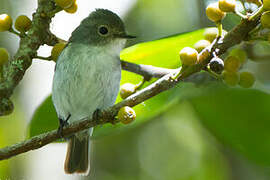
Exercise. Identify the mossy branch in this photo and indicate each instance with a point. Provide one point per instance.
(38, 35)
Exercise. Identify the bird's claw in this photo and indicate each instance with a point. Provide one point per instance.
(96, 115)
(62, 124)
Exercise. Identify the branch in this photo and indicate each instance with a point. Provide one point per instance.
(147, 71)
(235, 36)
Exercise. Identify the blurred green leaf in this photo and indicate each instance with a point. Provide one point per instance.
(163, 53)
(172, 146)
(44, 119)
(12, 131)
(238, 117)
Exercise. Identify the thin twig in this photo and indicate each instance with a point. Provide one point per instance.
(49, 58)
(147, 71)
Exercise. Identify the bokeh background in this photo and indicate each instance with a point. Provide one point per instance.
(208, 132)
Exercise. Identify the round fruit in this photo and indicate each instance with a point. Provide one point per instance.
(230, 78)
(214, 13)
(227, 5)
(265, 19)
(56, 50)
(72, 9)
(126, 115)
(247, 79)
(64, 3)
(216, 64)
(200, 45)
(5, 22)
(3, 56)
(232, 64)
(23, 23)
(240, 54)
(211, 33)
(188, 56)
(127, 89)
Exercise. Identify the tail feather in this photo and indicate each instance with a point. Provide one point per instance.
(77, 158)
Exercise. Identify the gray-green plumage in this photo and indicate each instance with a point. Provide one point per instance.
(87, 77)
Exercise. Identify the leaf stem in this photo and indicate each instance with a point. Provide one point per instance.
(15, 32)
(219, 26)
(240, 14)
(256, 13)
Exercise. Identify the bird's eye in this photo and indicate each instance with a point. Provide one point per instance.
(103, 30)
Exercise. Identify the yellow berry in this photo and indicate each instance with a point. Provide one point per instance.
(214, 13)
(127, 89)
(64, 3)
(126, 115)
(247, 79)
(265, 19)
(266, 4)
(240, 54)
(230, 78)
(5, 22)
(188, 56)
(23, 23)
(56, 50)
(211, 33)
(72, 9)
(232, 64)
(200, 45)
(227, 5)
(3, 56)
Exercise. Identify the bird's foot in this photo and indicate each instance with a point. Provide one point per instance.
(96, 115)
(62, 124)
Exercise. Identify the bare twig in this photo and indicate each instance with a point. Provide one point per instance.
(147, 71)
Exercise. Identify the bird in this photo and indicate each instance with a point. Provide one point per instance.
(87, 79)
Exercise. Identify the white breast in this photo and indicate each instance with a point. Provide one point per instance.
(86, 78)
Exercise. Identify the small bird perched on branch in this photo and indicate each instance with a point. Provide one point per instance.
(87, 78)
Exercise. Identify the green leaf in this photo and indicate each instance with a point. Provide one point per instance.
(239, 118)
(163, 53)
(44, 119)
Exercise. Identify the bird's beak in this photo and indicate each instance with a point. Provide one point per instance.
(125, 36)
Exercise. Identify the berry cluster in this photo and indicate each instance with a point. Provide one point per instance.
(126, 114)
(22, 24)
(227, 69)
(232, 64)
(237, 57)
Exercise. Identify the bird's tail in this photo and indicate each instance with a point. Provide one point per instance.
(78, 155)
